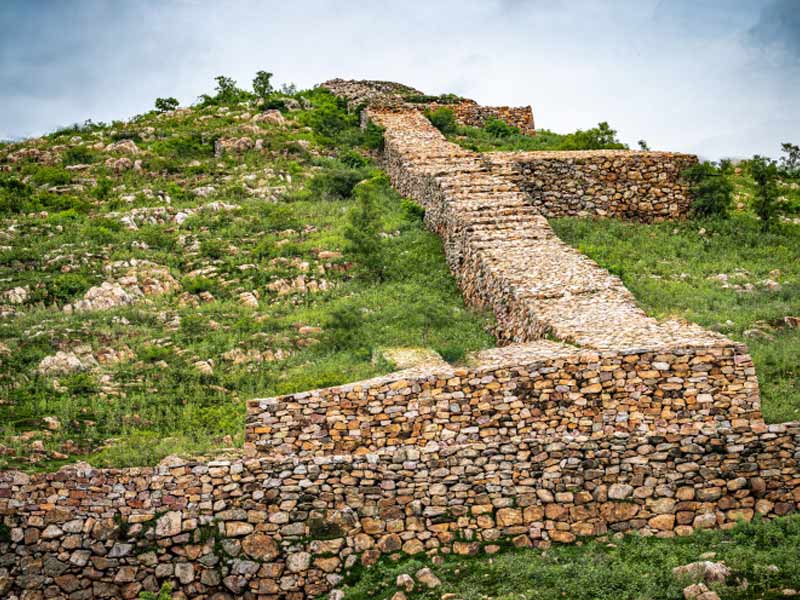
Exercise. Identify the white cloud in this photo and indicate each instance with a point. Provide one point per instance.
(682, 74)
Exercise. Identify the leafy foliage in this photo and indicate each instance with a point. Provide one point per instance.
(444, 119)
(499, 128)
(363, 234)
(166, 104)
(601, 137)
(261, 84)
(790, 163)
(766, 203)
(711, 190)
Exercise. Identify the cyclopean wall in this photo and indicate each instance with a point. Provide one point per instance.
(623, 423)
(641, 186)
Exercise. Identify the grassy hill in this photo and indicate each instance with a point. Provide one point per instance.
(224, 232)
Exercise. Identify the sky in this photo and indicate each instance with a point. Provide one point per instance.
(720, 78)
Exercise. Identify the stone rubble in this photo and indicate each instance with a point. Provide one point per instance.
(133, 280)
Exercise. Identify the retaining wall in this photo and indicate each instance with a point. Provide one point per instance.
(641, 186)
(287, 527)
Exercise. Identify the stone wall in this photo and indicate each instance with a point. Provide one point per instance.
(539, 390)
(387, 94)
(590, 418)
(643, 186)
(288, 527)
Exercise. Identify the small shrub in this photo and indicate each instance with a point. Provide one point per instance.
(102, 189)
(78, 155)
(643, 145)
(444, 119)
(601, 137)
(213, 248)
(152, 353)
(64, 287)
(195, 285)
(362, 233)
(353, 159)
(165, 593)
(711, 190)
(499, 128)
(335, 184)
(51, 176)
(166, 104)
(765, 203)
(413, 211)
(343, 327)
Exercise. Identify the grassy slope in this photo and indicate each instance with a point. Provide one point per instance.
(632, 568)
(157, 402)
(671, 269)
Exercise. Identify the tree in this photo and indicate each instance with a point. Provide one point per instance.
(790, 164)
(166, 104)
(643, 145)
(766, 203)
(711, 190)
(261, 84)
(363, 234)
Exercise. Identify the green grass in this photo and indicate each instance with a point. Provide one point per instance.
(156, 402)
(633, 568)
(670, 268)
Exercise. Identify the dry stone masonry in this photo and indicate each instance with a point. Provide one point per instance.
(642, 186)
(589, 418)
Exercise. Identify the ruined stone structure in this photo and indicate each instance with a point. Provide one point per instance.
(642, 186)
(591, 417)
(387, 94)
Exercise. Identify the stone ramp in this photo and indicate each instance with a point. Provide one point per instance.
(505, 255)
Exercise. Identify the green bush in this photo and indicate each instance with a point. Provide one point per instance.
(444, 119)
(342, 331)
(78, 155)
(499, 128)
(102, 188)
(601, 137)
(64, 287)
(51, 176)
(335, 183)
(363, 234)
(712, 192)
(766, 203)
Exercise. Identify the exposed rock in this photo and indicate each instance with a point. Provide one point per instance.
(705, 570)
(427, 578)
(124, 146)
